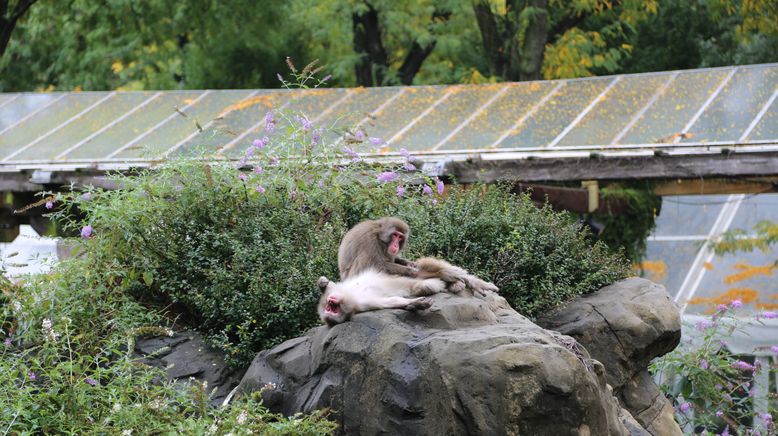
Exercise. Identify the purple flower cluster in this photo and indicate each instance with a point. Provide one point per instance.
(49, 204)
(91, 381)
(736, 303)
(353, 154)
(704, 325)
(304, 122)
(261, 143)
(270, 122)
(743, 366)
(86, 231)
(387, 176)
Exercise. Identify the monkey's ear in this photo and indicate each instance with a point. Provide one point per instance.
(322, 283)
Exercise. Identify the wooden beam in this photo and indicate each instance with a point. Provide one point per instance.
(572, 199)
(717, 186)
(598, 167)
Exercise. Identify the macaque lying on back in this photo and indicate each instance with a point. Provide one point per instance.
(373, 290)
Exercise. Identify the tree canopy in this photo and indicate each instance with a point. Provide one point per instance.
(162, 44)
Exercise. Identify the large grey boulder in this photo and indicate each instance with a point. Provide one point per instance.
(625, 326)
(186, 357)
(465, 366)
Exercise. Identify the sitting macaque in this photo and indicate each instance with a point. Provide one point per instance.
(373, 290)
(376, 244)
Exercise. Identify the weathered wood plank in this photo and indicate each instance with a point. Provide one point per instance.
(615, 167)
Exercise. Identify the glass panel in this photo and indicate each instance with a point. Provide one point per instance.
(688, 215)
(46, 120)
(667, 262)
(179, 127)
(767, 128)
(90, 122)
(5, 98)
(730, 113)
(138, 122)
(313, 103)
(556, 114)
(500, 116)
(447, 116)
(614, 110)
(755, 209)
(675, 107)
(357, 108)
(395, 116)
(745, 276)
(236, 118)
(21, 107)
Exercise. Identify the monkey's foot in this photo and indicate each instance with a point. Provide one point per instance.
(480, 286)
(457, 287)
(431, 286)
(420, 303)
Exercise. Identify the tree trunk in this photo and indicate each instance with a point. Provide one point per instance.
(514, 52)
(371, 68)
(8, 20)
(535, 38)
(490, 35)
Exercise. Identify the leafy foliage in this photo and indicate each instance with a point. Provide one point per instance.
(629, 232)
(713, 388)
(764, 235)
(66, 365)
(146, 45)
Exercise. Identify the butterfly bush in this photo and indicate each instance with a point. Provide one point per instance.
(325, 156)
(712, 388)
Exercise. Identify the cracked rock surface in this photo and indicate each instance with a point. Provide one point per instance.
(625, 326)
(185, 355)
(467, 365)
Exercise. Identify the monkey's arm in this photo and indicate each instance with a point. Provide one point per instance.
(399, 269)
(406, 262)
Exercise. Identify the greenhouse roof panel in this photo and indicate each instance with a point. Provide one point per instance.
(729, 105)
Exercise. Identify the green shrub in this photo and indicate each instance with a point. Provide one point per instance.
(66, 365)
(539, 258)
(241, 265)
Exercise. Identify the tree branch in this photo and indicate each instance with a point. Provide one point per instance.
(418, 54)
(8, 23)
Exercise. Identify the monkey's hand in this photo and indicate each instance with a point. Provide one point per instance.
(400, 270)
(407, 263)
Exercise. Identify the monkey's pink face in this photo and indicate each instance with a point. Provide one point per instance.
(332, 306)
(396, 242)
(333, 310)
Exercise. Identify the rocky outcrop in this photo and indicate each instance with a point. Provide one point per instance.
(625, 326)
(185, 355)
(465, 366)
